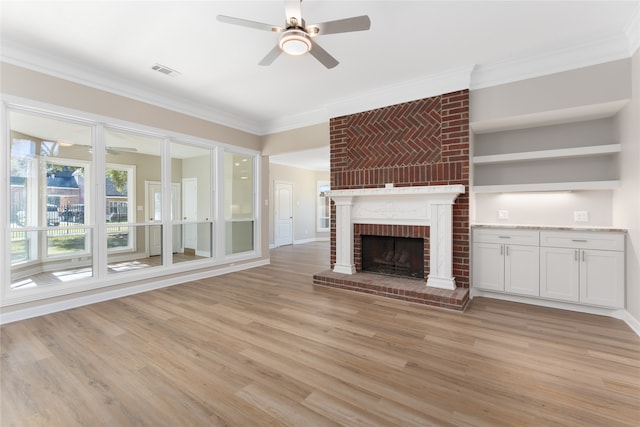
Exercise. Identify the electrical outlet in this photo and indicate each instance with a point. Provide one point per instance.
(503, 214)
(581, 216)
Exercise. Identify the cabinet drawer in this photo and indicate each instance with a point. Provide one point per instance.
(506, 236)
(604, 240)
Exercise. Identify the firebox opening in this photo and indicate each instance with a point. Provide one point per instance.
(397, 256)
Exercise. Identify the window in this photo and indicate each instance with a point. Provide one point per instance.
(50, 170)
(193, 225)
(147, 203)
(239, 195)
(324, 207)
(134, 228)
(119, 195)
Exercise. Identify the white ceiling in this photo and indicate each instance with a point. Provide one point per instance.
(413, 49)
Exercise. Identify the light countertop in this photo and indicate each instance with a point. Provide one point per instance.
(550, 227)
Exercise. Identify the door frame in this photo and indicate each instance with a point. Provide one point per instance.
(275, 212)
(175, 204)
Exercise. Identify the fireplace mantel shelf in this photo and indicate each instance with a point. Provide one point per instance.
(428, 191)
(424, 205)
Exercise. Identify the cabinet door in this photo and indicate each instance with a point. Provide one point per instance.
(602, 278)
(522, 270)
(559, 269)
(488, 266)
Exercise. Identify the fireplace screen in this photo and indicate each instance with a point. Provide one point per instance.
(398, 256)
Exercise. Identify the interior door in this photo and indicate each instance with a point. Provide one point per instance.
(284, 214)
(154, 214)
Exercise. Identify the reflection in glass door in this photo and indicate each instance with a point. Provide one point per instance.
(50, 169)
(154, 214)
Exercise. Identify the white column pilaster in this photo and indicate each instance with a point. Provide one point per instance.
(441, 247)
(344, 236)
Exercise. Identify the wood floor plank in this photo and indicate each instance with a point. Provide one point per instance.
(264, 347)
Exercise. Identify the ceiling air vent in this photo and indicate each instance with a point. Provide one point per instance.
(165, 70)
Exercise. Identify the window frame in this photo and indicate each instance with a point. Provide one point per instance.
(323, 201)
(100, 278)
(131, 203)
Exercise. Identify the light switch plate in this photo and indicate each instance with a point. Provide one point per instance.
(581, 216)
(503, 214)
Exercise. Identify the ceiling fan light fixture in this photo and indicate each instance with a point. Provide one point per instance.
(295, 42)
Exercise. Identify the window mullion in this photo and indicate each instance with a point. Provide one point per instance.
(97, 199)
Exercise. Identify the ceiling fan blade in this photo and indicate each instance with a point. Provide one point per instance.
(323, 56)
(271, 56)
(292, 9)
(250, 24)
(347, 25)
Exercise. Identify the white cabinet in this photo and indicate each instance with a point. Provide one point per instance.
(580, 267)
(585, 267)
(506, 261)
(488, 266)
(559, 271)
(602, 278)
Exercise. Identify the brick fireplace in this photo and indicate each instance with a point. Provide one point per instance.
(424, 145)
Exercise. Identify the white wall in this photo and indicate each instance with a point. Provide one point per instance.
(626, 200)
(555, 208)
(304, 200)
(598, 84)
(300, 139)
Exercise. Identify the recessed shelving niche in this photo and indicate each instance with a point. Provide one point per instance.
(575, 155)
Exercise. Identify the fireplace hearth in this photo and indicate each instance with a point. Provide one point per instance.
(394, 256)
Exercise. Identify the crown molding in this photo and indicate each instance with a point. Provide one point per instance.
(425, 87)
(296, 121)
(570, 57)
(632, 31)
(43, 62)
(434, 84)
(515, 68)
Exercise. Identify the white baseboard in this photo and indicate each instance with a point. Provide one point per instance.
(303, 241)
(27, 313)
(310, 240)
(632, 322)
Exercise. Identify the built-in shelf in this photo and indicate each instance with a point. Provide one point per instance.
(576, 155)
(549, 154)
(550, 186)
(548, 118)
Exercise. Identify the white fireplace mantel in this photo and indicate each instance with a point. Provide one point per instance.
(426, 205)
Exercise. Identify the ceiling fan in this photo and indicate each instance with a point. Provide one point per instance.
(296, 38)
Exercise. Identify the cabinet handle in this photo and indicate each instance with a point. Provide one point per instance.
(579, 240)
(507, 250)
(575, 255)
(582, 256)
(501, 249)
(504, 237)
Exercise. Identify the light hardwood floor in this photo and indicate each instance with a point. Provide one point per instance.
(264, 347)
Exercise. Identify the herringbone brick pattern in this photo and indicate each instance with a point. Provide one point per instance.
(399, 135)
